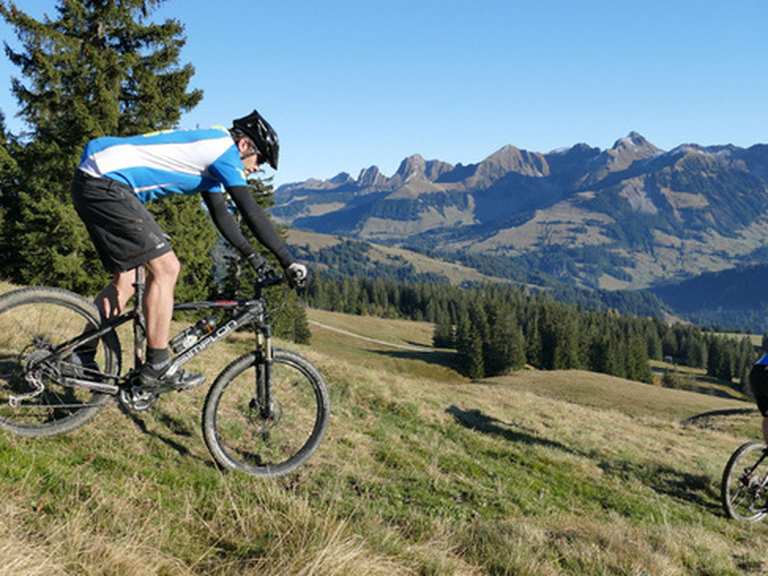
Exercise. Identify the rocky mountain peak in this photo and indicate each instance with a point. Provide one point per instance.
(341, 178)
(624, 152)
(436, 168)
(636, 145)
(371, 176)
(411, 167)
(511, 159)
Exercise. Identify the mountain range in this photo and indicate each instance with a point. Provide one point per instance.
(631, 216)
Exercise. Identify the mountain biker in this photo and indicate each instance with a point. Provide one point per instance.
(118, 175)
(758, 382)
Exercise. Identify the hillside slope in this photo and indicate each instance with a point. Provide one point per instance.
(422, 472)
(381, 255)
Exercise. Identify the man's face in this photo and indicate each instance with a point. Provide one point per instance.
(250, 157)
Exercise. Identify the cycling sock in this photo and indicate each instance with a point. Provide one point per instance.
(158, 358)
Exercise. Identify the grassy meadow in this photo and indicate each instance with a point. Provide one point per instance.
(422, 472)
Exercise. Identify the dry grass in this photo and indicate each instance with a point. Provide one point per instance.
(395, 331)
(538, 473)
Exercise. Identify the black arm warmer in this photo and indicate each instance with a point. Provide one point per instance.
(226, 223)
(259, 224)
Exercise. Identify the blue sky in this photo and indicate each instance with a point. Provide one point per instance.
(348, 84)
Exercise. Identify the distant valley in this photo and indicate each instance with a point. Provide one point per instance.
(632, 217)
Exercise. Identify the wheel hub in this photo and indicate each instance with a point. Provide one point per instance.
(265, 423)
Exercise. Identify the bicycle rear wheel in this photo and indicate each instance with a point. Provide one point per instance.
(237, 435)
(744, 490)
(33, 399)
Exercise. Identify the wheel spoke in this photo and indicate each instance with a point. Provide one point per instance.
(744, 481)
(32, 323)
(244, 439)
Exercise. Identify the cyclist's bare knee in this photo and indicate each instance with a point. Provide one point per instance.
(165, 268)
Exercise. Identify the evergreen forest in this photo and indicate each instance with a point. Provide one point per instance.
(497, 328)
(95, 69)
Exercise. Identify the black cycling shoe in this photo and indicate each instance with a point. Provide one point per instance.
(152, 380)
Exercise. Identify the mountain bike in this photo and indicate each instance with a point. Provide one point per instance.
(265, 413)
(744, 490)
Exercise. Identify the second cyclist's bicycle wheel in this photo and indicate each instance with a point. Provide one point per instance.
(35, 399)
(744, 490)
(239, 435)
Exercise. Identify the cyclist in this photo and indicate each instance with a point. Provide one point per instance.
(118, 175)
(758, 382)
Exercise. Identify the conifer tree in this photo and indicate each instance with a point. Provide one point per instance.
(505, 349)
(533, 340)
(473, 359)
(669, 343)
(653, 342)
(517, 353)
(95, 68)
(443, 334)
(8, 175)
(566, 352)
(637, 360)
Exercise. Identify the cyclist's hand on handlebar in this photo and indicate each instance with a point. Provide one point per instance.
(297, 274)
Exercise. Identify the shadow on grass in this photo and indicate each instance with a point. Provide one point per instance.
(697, 489)
(712, 392)
(726, 412)
(165, 419)
(439, 358)
(481, 422)
(426, 347)
(697, 383)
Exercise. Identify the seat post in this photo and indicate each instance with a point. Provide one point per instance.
(139, 323)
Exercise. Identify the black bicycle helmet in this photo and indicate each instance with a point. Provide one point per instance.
(262, 134)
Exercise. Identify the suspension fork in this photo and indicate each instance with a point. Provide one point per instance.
(264, 371)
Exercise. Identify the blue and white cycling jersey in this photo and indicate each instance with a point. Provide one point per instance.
(171, 162)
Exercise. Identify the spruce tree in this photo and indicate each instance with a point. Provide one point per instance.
(443, 333)
(637, 360)
(475, 368)
(96, 68)
(8, 176)
(533, 339)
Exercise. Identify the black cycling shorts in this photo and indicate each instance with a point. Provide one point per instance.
(122, 229)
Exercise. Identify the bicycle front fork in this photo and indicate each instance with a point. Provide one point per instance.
(264, 373)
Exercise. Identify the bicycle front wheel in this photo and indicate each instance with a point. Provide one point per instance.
(744, 490)
(239, 436)
(33, 399)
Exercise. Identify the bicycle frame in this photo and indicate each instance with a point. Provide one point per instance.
(243, 313)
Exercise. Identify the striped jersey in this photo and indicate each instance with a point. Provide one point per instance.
(170, 162)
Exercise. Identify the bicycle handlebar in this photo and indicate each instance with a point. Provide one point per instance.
(267, 276)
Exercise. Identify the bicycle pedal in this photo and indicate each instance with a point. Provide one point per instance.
(137, 399)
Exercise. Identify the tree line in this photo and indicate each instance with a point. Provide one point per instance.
(498, 328)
